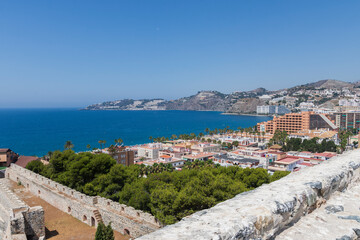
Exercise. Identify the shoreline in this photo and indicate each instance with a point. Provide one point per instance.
(246, 114)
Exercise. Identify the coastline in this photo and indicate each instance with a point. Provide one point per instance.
(246, 114)
(21, 128)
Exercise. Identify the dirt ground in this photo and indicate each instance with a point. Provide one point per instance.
(59, 225)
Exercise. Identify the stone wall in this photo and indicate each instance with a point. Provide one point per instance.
(90, 210)
(270, 209)
(18, 220)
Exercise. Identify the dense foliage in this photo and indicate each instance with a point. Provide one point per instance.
(104, 232)
(169, 195)
(296, 144)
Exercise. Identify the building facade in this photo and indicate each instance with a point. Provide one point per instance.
(347, 120)
(125, 157)
(294, 122)
(7, 156)
(272, 109)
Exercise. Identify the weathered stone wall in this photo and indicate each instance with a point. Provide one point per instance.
(270, 209)
(124, 219)
(18, 220)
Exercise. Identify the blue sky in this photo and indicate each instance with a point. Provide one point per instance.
(75, 53)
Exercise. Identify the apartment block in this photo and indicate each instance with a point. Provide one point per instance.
(294, 122)
(150, 150)
(272, 109)
(125, 157)
(347, 120)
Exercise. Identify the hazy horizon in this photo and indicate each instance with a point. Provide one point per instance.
(71, 54)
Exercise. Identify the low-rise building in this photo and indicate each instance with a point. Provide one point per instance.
(22, 161)
(321, 134)
(150, 151)
(199, 156)
(286, 164)
(125, 157)
(7, 156)
(225, 160)
(206, 147)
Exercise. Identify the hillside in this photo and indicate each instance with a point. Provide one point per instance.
(327, 83)
(237, 102)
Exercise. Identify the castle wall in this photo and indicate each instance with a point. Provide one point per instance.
(17, 219)
(124, 219)
(270, 209)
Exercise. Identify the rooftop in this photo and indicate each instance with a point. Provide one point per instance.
(24, 160)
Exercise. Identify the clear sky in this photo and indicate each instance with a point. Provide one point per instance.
(74, 53)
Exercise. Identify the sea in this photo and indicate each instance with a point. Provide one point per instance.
(35, 132)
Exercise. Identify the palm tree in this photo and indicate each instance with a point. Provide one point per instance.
(151, 138)
(68, 145)
(102, 143)
(88, 146)
(118, 141)
(207, 130)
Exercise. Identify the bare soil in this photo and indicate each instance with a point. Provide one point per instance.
(59, 225)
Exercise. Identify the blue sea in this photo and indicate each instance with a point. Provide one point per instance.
(38, 131)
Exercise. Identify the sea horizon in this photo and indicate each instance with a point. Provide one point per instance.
(37, 131)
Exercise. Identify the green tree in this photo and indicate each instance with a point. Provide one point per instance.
(36, 166)
(279, 137)
(100, 231)
(104, 232)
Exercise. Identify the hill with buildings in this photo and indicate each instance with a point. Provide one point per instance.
(321, 93)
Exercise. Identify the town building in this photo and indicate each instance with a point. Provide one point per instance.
(125, 157)
(150, 151)
(7, 156)
(285, 164)
(24, 160)
(226, 161)
(294, 122)
(347, 120)
(272, 109)
(206, 147)
(321, 134)
(199, 156)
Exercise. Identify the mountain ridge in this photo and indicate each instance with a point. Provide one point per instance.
(243, 102)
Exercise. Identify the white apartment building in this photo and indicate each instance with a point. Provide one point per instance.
(150, 150)
(272, 109)
(206, 147)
